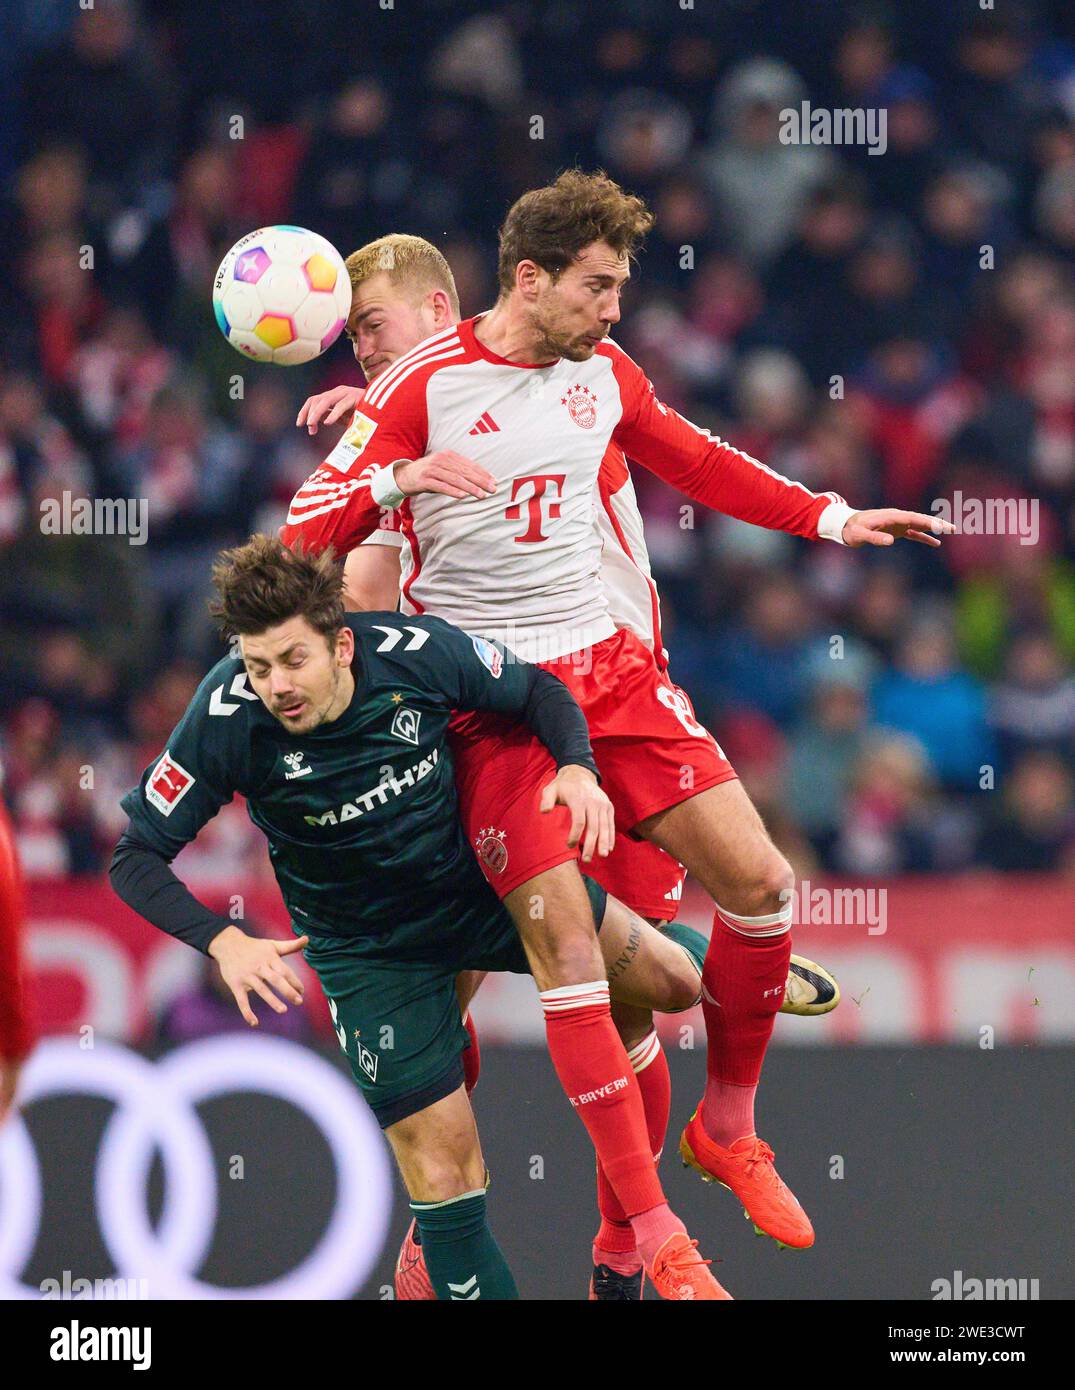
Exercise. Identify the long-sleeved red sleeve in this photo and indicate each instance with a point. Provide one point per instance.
(709, 470)
(335, 506)
(17, 1034)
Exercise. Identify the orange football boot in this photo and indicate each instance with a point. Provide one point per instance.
(412, 1278)
(746, 1169)
(680, 1273)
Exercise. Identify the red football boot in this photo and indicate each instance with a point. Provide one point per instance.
(679, 1272)
(412, 1277)
(746, 1169)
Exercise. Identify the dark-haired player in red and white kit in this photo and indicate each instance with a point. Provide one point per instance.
(403, 292)
(502, 542)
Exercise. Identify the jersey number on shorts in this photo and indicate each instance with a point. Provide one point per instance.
(677, 702)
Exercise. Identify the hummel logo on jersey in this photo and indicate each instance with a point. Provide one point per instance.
(293, 761)
(393, 636)
(466, 1293)
(219, 705)
(485, 425)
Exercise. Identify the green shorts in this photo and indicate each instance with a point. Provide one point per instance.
(397, 1015)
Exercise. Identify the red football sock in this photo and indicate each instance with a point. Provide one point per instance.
(614, 1244)
(592, 1065)
(472, 1055)
(746, 969)
(728, 1111)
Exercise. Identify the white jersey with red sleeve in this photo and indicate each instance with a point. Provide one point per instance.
(626, 575)
(524, 565)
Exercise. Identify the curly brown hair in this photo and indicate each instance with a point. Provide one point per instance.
(551, 225)
(263, 583)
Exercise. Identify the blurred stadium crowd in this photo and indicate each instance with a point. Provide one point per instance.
(830, 314)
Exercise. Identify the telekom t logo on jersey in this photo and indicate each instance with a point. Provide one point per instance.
(547, 490)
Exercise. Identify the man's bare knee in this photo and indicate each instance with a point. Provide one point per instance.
(438, 1151)
(567, 959)
(682, 987)
(766, 890)
(553, 916)
(437, 1178)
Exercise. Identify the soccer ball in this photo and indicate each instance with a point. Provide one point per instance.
(282, 294)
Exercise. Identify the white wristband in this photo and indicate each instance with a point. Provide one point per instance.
(383, 487)
(831, 522)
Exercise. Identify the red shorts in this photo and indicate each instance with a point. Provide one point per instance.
(649, 749)
(641, 875)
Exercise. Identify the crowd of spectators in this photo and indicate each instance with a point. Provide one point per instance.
(898, 327)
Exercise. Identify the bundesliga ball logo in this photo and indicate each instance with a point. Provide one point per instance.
(581, 406)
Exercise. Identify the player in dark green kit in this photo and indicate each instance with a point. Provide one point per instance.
(333, 728)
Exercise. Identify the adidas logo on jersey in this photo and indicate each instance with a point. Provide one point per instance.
(485, 425)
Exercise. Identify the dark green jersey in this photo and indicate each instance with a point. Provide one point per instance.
(360, 814)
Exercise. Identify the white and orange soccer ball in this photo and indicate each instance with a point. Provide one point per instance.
(282, 294)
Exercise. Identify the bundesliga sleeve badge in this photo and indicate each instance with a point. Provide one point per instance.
(168, 784)
(358, 435)
(489, 656)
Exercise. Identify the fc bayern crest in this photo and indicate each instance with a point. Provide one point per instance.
(492, 850)
(581, 406)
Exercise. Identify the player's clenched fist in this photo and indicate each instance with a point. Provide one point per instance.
(592, 816)
(329, 406)
(445, 471)
(253, 963)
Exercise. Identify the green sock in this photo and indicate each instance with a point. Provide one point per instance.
(693, 942)
(463, 1259)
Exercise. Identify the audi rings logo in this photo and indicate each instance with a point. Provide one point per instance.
(155, 1110)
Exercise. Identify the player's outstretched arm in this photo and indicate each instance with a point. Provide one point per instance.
(733, 482)
(339, 505)
(252, 963)
(328, 407)
(337, 509)
(142, 876)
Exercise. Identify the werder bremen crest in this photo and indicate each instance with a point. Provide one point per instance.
(405, 724)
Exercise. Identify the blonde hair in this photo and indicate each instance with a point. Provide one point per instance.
(409, 261)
